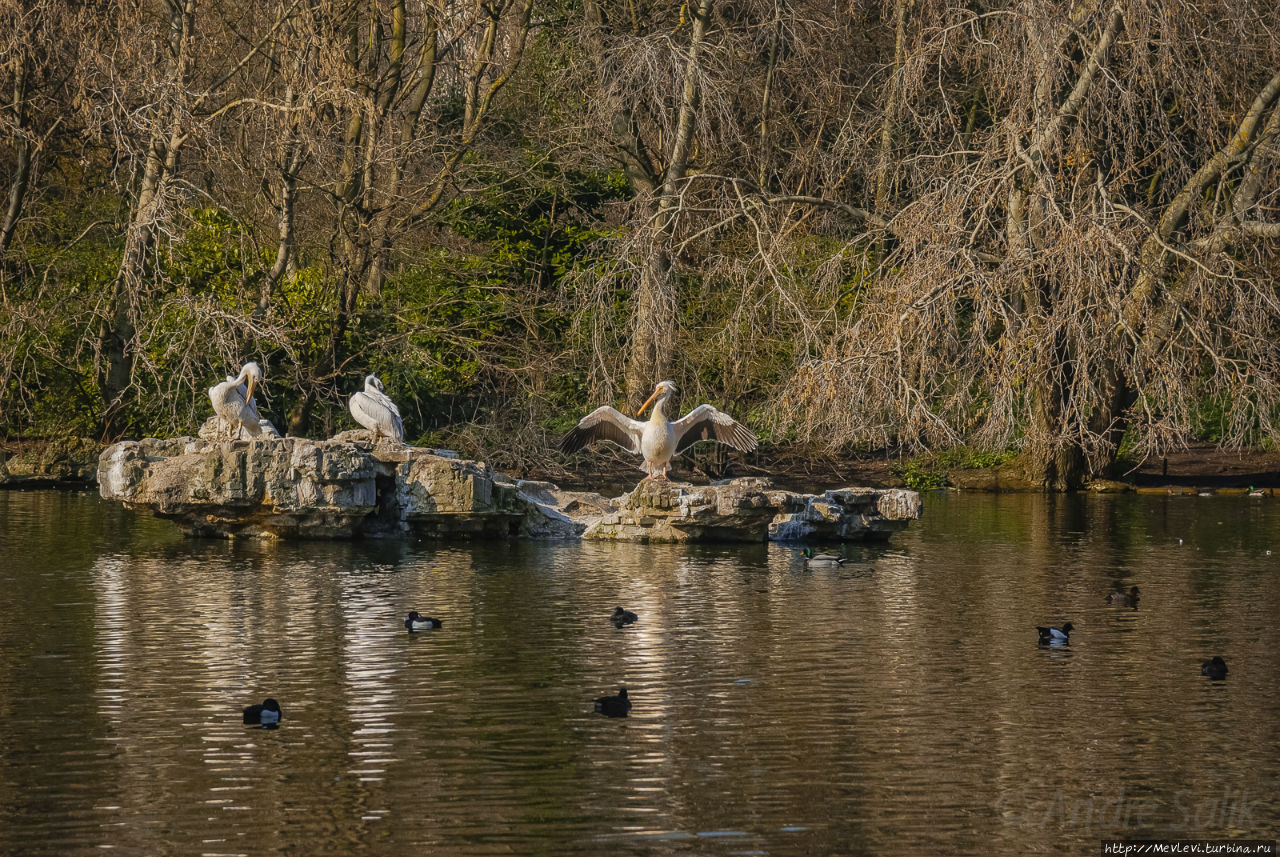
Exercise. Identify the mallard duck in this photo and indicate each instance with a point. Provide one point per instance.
(1055, 636)
(614, 706)
(811, 558)
(1124, 599)
(1215, 668)
(622, 617)
(414, 622)
(266, 714)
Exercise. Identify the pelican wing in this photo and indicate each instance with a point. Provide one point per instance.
(377, 414)
(388, 404)
(604, 423)
(250, 417)
(706, 423)
(393, 417)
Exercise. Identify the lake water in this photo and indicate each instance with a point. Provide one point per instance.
(899, 705)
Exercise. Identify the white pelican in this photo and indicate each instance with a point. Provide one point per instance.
(251, 414)
(233, 401)
(657, 439)
(374, 410)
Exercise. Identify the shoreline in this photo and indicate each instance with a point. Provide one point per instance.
(71, 464)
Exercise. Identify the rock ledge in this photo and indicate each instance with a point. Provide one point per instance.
(347, 487)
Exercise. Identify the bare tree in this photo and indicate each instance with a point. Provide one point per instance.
(37, 51)
(154, 94)
(1058, 270)
(701, 110)
(414, 85)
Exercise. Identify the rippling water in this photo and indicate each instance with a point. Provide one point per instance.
(898, 705)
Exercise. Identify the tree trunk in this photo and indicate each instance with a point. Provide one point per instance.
(891, 106)
(653, 322)
(651, 334)
(22, 168)
(17, 193)
(118, 331)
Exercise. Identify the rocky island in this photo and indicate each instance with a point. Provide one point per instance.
(348, 487)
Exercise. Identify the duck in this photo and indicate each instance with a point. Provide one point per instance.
(811, 558)
(1056, 636)
(1124, 599)
(614, 706)
(1215, 668)
(266, 714)
(414, 622)
(622, 617)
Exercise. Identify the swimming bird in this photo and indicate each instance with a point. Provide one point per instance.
(614, 706)
(1124, 599)
(414, 622)
(1055, 636)
(233, 401)
(622, 617)
(374, 410)
(1215, 668)
(267, 714)
(812, 558)
(658, 439)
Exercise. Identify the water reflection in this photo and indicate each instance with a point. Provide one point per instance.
(898, 704)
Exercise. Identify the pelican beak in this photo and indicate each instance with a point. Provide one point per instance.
(248, 395)
(648, 402)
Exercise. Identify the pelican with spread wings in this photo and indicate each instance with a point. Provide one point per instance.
(658, 439)
(374, 410)
(233, 401)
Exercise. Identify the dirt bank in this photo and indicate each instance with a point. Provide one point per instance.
(72, 463)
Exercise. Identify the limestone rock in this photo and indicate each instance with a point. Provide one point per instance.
(348, 486)
(750, 510)
(216, 429)
(283, 487)
(847, 514)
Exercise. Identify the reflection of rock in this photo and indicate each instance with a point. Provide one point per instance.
(347, 486)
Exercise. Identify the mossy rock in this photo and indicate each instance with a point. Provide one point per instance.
(61, 461)
(1109, 486)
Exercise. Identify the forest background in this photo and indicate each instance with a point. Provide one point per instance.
(1039, 228)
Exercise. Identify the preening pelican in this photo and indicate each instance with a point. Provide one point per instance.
(657, 439)
(374, 410)
(251, 414)
(233, 401)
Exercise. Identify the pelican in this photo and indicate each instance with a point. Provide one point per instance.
(251, 414)
(374, 410)
(657, 439)
(233, 401)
